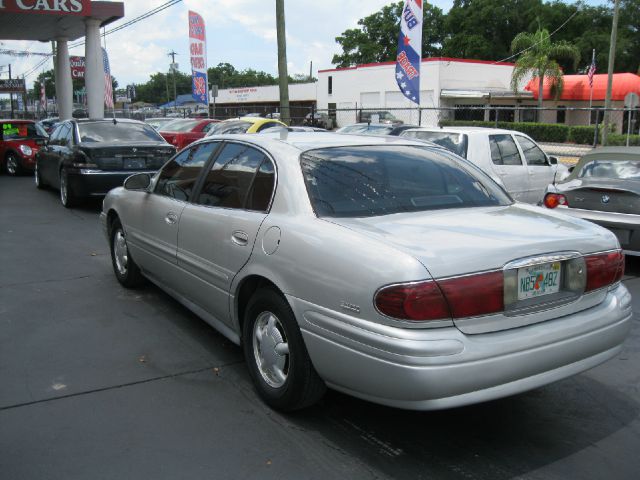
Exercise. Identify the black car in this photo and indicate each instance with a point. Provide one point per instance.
(86, 158)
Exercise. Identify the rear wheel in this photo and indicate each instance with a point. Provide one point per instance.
(276, 355)
(126, 270)
(67, 197)
(12, 164)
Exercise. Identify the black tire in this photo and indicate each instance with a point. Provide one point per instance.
(301, 387)
(67, 197)
(12, 164)
(126, 270)
(37, 178)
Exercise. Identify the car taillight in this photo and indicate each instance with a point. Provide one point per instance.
(473, 295)
(459, 297)
(553, 200)
(413, 301)
(604, 269)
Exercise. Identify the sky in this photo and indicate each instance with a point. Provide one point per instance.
(239, 32)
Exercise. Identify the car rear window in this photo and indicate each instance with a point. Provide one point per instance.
(13, 131)
(368, 181)
(625, 170)
(454, 142)
(120, 132)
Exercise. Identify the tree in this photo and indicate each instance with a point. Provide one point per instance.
(538, 55)
(376, 40)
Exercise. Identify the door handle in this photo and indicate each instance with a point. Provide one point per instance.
(171, 218)
(240, 238)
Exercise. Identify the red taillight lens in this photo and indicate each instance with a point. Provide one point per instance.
(414, 301)
(604, 269)
(452, 298)
(552, 200)
(473, 295)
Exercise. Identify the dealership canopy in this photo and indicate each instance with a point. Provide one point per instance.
(576, 87)
(64, 21)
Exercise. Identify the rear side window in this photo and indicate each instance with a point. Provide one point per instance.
(454, 142)
(178, 177)
(532, 153)
(381, 180)
(232, 181)
(504, 150)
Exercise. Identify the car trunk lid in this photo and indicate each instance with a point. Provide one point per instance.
(130, 157)
(605, 196)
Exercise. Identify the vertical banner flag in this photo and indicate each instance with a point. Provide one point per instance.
(108, 86)
(198, 49)
(43, 97)
(410, 50)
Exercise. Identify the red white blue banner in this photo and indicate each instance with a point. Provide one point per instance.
(198, 49)
(410, 50)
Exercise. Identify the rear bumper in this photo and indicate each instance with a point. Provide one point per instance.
(89, 183)
(625, 226)
(429, 369)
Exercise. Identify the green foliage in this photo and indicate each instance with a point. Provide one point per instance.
(484, 29)
(620, 140)
(582, 134)
(159, 88)
(376, 38)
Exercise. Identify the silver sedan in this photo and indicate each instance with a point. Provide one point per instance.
(381, 267)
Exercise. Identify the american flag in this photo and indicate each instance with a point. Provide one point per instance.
(108, 87)
(592, 70)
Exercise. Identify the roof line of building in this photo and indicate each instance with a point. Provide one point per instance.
(424, 60)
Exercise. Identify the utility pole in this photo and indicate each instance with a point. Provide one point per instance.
(282, 63)
(174, 67)
(612, 57)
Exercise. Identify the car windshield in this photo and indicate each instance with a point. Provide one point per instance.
(120, 132)
(625, 170)
(368, 181)
(13, 131)
(159, 122)
(454, 142)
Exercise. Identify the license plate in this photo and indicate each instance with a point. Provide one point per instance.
(134, 163)
(538, 280)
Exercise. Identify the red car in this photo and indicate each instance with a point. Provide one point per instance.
(181, 133)
(19, 142)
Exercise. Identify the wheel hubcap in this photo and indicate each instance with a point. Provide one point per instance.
(63, 188)
(271, 349)
(12, 165)
(120, 252)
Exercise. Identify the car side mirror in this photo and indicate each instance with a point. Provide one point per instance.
(571, 168)
(553, 160)
(137, 182)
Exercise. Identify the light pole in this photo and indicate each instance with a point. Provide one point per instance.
(612, 57)
(174, 67)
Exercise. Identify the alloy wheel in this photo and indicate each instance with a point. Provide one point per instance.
(121, 253)
(271, 349)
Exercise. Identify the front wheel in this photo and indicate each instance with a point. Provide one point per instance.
(12, 164)
(126, 270)
(37, 178)
(276, 356)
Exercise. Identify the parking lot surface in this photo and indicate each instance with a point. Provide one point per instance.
(101, 382)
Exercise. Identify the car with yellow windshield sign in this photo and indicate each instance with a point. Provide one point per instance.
(20, 140)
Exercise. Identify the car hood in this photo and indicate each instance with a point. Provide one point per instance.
(458, 241)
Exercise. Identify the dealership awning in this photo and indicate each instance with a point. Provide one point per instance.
(576, 87)
(46, 27)
(506, 94)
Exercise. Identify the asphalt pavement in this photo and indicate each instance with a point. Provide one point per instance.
(99, 382)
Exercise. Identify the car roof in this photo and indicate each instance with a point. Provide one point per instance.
(467, 130)
(606, 151)
(15, 120)
(304, 141)
(104, 120)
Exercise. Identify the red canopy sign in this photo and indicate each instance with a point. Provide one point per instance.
(51, 7)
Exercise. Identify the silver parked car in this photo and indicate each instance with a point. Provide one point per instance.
(382, 267)
(604, 187)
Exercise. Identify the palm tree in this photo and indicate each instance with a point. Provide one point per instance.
(539, 56)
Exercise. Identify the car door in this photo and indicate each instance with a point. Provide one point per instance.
(59, 151)
(218, 230)
(152, 228)
(539, 167)
(508, 164)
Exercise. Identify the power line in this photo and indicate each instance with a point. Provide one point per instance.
(537, 43)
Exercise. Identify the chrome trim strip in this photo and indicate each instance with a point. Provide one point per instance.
(541, 259)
